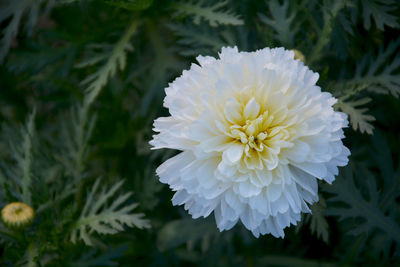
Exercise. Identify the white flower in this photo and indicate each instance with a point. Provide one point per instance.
(255, 134)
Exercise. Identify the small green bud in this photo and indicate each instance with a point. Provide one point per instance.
(17, 215)
(298, 55)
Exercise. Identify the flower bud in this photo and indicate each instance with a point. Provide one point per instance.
(17, 215)
(298, 55)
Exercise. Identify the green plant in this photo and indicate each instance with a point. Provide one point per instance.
(88, 79)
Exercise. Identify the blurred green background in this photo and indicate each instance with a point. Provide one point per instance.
(82, 81)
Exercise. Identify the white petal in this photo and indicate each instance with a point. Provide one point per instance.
(169, 170)
(293, 197)
(247, 189)
(251, 110)
(299, 152)
(233, 111)
(281, 204)
(217, 143)
(274, 191)
(233, 201)
(227, 212)
(215, 191)
(260, 203)
(225, 169)
(204, 61)
(228, 52)
(205, 174)
(316, 169)
(305, 180)
(233, 153)
(180, 197)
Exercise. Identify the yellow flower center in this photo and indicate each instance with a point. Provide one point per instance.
(261, 133)
(253, 133)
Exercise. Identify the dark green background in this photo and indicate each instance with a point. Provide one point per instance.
(352, 44)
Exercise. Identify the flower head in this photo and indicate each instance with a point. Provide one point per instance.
(17, 215)
(255, 134)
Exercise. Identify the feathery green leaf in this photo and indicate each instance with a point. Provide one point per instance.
(281, 22)
(379, 75)
(358, 119)
(382, 12)
(357, 206)
(195, 39)
(97, 216)
(25, 162)
(16, 10)
(117, 59)
(212, 14)
(318, 224)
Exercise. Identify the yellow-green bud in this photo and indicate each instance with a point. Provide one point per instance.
(298, 55)
(17, 215)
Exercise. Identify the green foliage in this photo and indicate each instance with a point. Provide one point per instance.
(368, 200)
(290, 261)
(375, 74)
(98, 217)
(358, 119)
(318, 224)
(148, 188)
(94, 101)
(19, 178)
(282, 22)
(203, 38)
(76, 133)
(29, 258)
(363, 199)
(117, 58)
(357, 206)
(47, 194)
(131, 4)
(94, 258)
(330, 12)
(212, 14)
(381, 12)
(25, 162)
(16, 10)
(383, 160)
(180, 232)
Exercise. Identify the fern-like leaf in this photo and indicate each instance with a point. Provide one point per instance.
(178, 232)
(330, 10)
(198, 40)
(167, 64)
(318, 224)
(25, 162)
(382, 12)
(383, 161)
(357, 206)
(213, 14)
(98, 217)
(30, 257)
(281, 22)
(377, 75)
(16, 11)
(358, 119)
(76, 134)
(17, 180)
(148, 186)
(117, 59)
